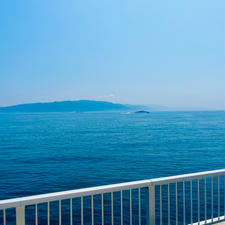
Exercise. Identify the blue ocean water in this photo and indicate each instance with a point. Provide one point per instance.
(48, 152)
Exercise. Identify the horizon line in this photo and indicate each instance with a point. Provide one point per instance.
(169, 108)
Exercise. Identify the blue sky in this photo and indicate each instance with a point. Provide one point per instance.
(166, 52)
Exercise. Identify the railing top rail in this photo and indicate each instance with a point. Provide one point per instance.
(10, 203)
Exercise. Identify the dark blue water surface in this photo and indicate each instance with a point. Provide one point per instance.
(48, 152)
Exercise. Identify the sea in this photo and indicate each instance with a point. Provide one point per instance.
(50, 152)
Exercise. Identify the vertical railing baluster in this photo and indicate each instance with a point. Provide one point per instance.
(112, 214)
(71, 211)
(60, 213)
(102, 201)
(205, 200)
(82, 210)
(198, 201)
(150, 205)
(168, 204)
(176, 204)
(191, 202)
(218, 198)
(48, 213)
(92, 210)
(139, 205)
(184, 205)
(212, 199)
(160, 197)
(20, 215)
(36, 214)
(4, 217)
(130, 206)
(121, 207)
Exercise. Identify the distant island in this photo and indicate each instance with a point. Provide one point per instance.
(142, 111)
(87, 106)
(70, 106)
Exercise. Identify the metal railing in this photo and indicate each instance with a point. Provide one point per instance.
(197, 198)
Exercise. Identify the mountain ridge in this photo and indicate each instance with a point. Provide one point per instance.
(89, 106)
(69, 106)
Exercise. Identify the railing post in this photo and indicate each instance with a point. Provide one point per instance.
(150, 209)
(20, 215)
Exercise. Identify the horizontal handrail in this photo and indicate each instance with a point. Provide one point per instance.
(43, 198)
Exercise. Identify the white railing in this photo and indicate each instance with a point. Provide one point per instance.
(196, 198)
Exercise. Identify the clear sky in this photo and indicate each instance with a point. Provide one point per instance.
(166, 52)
